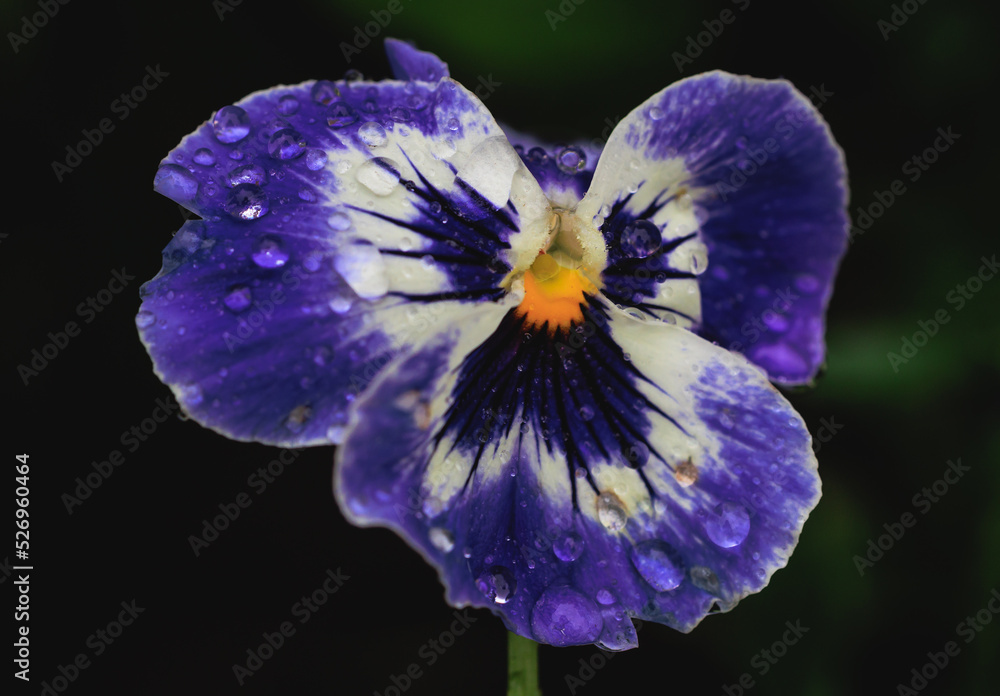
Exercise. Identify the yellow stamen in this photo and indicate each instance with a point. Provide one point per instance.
(553, 294)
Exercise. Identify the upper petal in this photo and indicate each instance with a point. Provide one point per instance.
(340, 220)
(409, 63)
(749, 167)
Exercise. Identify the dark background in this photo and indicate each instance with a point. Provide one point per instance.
(896, 429)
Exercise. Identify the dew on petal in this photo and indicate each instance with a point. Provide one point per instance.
(175, 182)
(297, 418)
(239, 298)
(497, 583)
(605, 597)
(191, 394)
(340, 115)
(231, 124)
(729, 525)
(248, 174)
(703, 578)
(442, 539)
(324, 92)
(362, 266)
(655, 113)
(564, 616)
(204, 157)
(686, 473)
(286, 144)
(658, 563)
(698, 262)
(372, 134)
(611, 511)
(288, 105)
(339, 222)
(640, 238)
(316, 160)
(268, 253)
(568, 547)
(247, 202)
(144, 319)
(379, 175)
(571, 159)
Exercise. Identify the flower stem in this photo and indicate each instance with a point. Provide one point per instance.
(522, 666)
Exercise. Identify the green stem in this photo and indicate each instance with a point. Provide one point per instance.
(522, 666)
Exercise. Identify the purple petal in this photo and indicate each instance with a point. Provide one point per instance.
(563, 171)
(341, 220)
(750, 166)
(569, 482)
(410, 64)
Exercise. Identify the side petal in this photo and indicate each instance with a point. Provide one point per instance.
(408, 63)
(340, 221)
(571, 481)
(749, 169)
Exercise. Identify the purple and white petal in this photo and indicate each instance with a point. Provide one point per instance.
(409, 63)
(340, 220)
(569, 482)
(563, 171)
(747, 171)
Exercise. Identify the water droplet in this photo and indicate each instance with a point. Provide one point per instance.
(655, 113)
(144, 319)
(316, 160)
(452, 124)
(569, 547)
(297, 418)
(586, 413)
(563, 616)
(239, 298)
(807, 283)
(498, 584)
(658, 563)
(636, 455)
(442, 539)
(686, 473)
(729, 525)
(269, 254)
(605, 597)
(699, 258)
(372, 134)
(640, 238)
(379, 175)
(611, 511)
(775, 322)
(571, 159)
(340, 114)
(760, 573)
(313, 261)
(248, 174)
(705, 579)
(362, 266)
(204, 157)
(247, 202)
(339, 222)
(231, 124)
(324, 92)
(399, 114)
(286, 144)
(191, 394)
(175, 182)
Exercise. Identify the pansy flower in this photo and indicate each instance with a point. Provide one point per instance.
(547, 368)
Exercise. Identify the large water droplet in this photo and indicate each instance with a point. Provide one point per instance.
(379, 175)
(316, 160)
(441, 538)
(247, 202)
(204, 157)
(372, 134)
(729, 525)
(248, 174)
(658, 563)
(239, 298)
(640, 238)
(363, 268)
(286, 144)
(324, 92)
(568, 547)
(498, 584)
(269, 254)
(571, 159)
(611, 512)
(175, 182)
(231, 124)
(340, 114)
(563, 616)
(605, 597)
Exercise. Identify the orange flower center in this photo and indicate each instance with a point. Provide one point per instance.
(553, 295)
